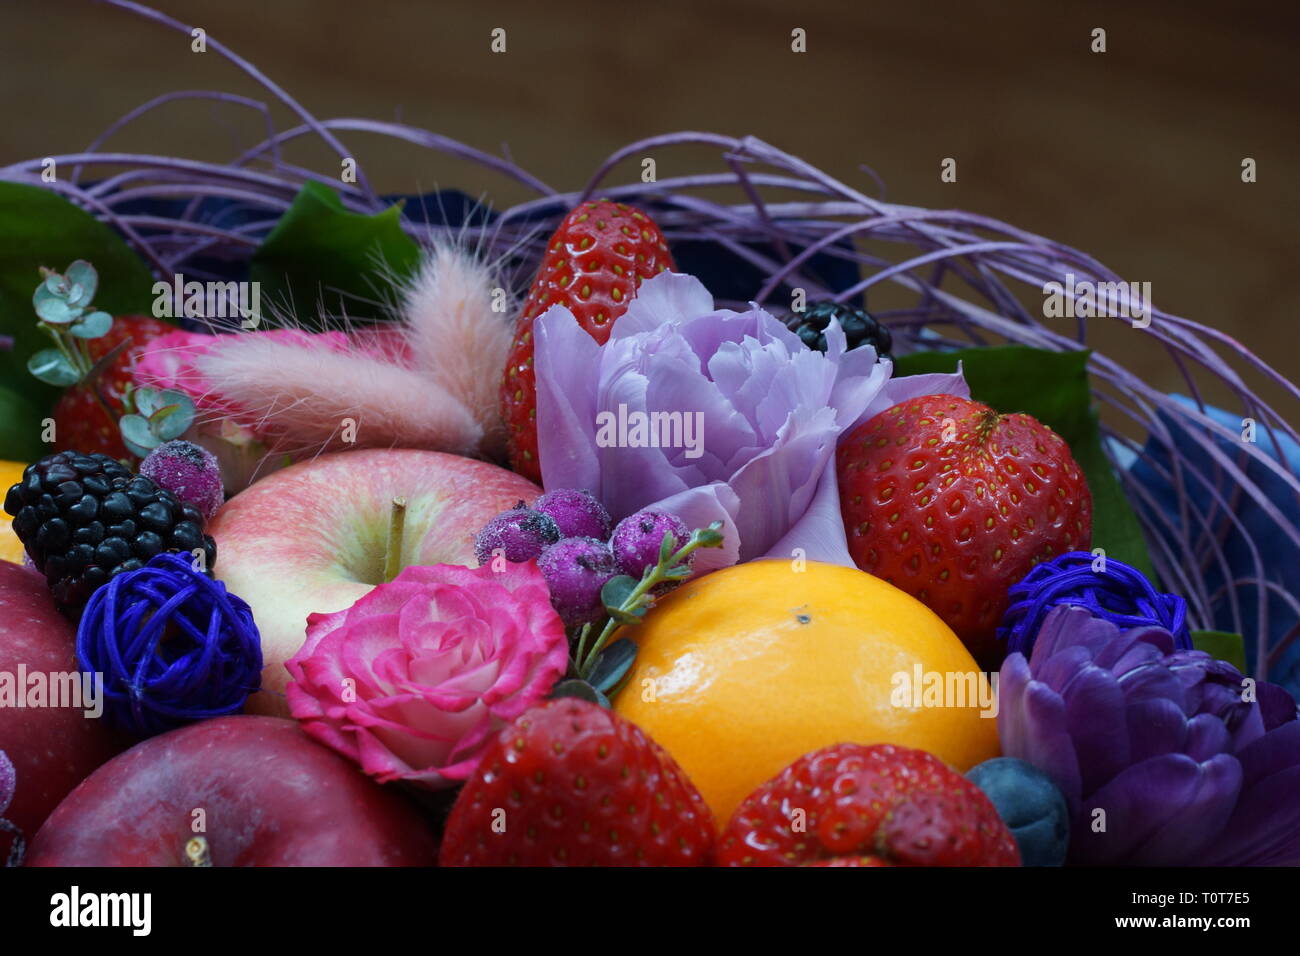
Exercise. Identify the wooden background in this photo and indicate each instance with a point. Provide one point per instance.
(1133, 155)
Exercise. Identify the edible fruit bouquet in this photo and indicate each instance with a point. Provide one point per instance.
(637, 526)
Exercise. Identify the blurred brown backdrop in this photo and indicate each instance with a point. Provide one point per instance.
(1133, 155)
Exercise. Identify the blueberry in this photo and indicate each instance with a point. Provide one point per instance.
(577, 513)
(1030, 805)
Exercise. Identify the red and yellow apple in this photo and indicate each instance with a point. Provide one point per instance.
(52, 748)
(256, 790)
(314, 537)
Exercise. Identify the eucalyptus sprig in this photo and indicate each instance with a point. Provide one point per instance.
(599, 671)
(62, 304)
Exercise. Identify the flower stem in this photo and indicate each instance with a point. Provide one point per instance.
(396, 528)
(652, 578)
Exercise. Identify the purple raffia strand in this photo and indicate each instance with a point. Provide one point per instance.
(266, 82)
(157, 101)
(962, 271)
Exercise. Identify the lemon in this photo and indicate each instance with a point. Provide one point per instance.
(744, 670)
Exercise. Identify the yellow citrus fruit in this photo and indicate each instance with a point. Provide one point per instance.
(744, 670)
(11, 549)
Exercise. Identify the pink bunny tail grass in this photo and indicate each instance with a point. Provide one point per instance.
(311, 398)
(455, 337)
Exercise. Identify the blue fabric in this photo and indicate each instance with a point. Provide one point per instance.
(1280, 556)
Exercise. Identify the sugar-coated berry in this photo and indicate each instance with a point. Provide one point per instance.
(1031, 806)
(578, 513)
(521, 533)
(638, 537)
(575, 570)
(188, 471)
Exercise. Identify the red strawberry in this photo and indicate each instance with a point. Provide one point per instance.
(593, 266)
(954, 503)
(573, 784)
(80, 421)
(858, 805)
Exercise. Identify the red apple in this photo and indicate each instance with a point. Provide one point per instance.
(314, 536)
(258, 790)
(52, 748)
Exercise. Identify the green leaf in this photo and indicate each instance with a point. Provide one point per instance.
(616, 591)
(580, 689)
(320, 253)
(174, 419)
(621, 616)
(1053, 388)
(613, 663)
(1223, 646)
(83, 282)
(137, 436)
(667, 546)
(91, 326)
(53, 368)
(41, 228)
(53, 308)
(20, 427)
(147, 400)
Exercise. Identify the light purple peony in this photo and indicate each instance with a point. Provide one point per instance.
(711, 415)
(1165, 757)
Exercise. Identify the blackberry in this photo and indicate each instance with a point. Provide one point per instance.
(84, 518)
(859, 327)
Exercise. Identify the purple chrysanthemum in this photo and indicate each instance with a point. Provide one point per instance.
(1166, 757)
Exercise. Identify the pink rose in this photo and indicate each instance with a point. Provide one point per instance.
(413, 680)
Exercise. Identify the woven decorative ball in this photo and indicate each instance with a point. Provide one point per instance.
(173, 645)
(1115, 591)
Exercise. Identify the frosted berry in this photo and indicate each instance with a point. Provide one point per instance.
(577, 512)
(638, 537)
(575, 570)
(188, 471)
(521, 533)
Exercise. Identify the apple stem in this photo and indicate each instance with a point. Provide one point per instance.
(396, 527)
(197, 852)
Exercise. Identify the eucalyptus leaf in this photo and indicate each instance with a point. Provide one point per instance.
(172, 421)
(580, 689)
(613, 663)
(1053, 388)
(52, 308)
(137, 436)
(616, 592)
(83, 282)
(147, 400)
(91, 326)
(53, 368)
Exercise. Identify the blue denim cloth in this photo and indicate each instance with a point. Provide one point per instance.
(1279, 556)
